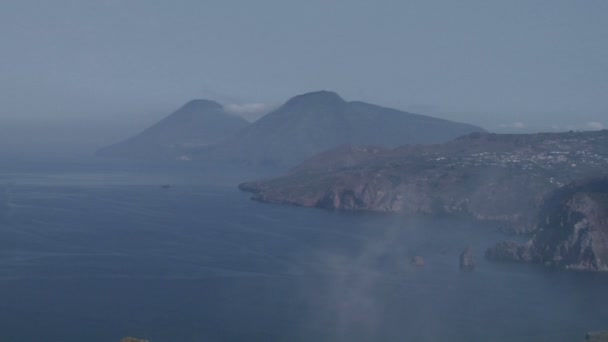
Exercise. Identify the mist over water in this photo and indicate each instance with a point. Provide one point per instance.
(99, 251)
(59, 140)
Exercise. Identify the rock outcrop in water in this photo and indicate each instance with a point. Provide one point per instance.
(417, 261)
(467, 262)
(133, 339)
(573, 230)
(498, 177)
(597, 336)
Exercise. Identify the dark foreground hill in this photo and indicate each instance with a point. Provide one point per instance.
(487, 176)
(197, 124)
(314, 122)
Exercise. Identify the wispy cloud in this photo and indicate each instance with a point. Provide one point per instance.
(595, 125)
(514, 125)
(250, 111)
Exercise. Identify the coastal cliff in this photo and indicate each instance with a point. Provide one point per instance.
(497, 177)
(572, 230)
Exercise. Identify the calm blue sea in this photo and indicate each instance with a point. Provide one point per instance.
(96, 251)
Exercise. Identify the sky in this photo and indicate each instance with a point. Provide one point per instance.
(505, 65)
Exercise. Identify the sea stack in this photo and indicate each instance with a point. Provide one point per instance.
(417, 261)
(467, 263)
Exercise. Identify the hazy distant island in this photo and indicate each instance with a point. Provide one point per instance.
(497, 177)
(197, 124)
(304, 126)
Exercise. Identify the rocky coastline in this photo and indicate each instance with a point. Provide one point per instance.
(572, 230)
(489, 177)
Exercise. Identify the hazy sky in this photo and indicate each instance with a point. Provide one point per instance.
(511, 63)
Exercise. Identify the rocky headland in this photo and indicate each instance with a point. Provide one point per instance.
(572, 230)
(496, 177)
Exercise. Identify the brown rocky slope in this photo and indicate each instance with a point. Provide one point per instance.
(499, 177)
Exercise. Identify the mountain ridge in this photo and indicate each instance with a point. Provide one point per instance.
(310, 123)
(303, 126)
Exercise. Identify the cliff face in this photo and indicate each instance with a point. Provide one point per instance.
(488, 194)
(487, 176)
(573, 230)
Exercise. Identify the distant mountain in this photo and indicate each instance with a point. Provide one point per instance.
(497, 177)
(314, 122)
(199, 123)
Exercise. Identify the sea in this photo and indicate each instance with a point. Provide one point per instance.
(95, 251)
